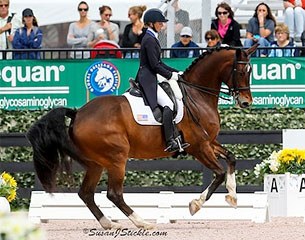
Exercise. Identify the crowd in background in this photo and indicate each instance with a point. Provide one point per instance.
(24, 32)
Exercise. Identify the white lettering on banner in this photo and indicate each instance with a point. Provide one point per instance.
(283, 101)
(45, 103)
(275, 71)
(14, 74)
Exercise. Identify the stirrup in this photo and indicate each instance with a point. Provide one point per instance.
(172, 147)
(181, 145)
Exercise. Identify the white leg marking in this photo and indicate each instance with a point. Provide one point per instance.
(108, 224)
(196, 204)
(140, 222)
(231, 198)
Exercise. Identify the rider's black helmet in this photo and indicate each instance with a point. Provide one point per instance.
(154, 15)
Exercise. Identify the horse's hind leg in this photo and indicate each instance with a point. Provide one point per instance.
(86, 193)
(231, 198)
(115, 194)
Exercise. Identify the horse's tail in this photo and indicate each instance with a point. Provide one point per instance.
(51, 145)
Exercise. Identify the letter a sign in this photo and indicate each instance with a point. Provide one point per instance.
(273, 185)
(302, 185)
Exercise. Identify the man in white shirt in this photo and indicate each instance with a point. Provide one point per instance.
(9, 22)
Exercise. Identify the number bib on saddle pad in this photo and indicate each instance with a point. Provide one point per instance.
(143, 115)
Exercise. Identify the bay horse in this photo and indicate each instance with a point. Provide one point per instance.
(102, 134)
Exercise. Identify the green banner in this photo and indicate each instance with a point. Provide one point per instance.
(33, 84)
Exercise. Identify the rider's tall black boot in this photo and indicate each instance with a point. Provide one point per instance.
(173, 143)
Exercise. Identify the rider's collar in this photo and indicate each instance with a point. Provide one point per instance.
(153, 32)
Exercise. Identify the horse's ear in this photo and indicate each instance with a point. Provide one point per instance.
(252, 49)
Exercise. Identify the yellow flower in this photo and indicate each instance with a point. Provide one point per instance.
(8, 186)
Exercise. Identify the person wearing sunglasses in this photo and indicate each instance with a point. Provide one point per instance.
(185, 43)
(212, 38)
(78, 32)
(260, 29)
(9, 23)
(105, 29)
(28, 37)
(227, 28)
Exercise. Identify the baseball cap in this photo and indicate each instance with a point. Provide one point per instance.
(186, 31)
(27, 12)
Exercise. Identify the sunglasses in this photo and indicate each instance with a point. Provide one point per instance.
(83, 9)
(185, 36)
(222, 13)
(4, 5)
(210, 38)
(108, 15)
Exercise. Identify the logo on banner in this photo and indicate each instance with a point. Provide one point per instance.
(102, 78)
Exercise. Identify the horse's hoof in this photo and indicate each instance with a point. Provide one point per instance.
(108, 225)
(194, 206)
(115, 225)
(232, 201)
(148, 226)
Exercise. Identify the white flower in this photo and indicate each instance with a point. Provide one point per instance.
(16, 226)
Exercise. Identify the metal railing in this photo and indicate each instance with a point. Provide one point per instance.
(65, 53)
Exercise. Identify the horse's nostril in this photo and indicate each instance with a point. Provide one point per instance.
(245, 104)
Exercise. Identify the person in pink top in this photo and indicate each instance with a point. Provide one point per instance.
(227, 28)
(294, 18)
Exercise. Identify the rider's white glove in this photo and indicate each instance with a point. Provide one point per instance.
(175, 76)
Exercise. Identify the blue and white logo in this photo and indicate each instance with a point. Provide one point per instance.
(102, 78)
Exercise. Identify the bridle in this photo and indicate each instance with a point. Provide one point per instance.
(233, 91)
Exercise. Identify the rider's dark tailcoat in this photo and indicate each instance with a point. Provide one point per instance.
(150, 66)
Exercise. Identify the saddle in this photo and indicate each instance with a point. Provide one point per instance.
(134, 90)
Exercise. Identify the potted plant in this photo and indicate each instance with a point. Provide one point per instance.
(8, 191)
(284, 181)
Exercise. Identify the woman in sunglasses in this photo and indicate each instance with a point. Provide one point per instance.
(227, 28)
(105, 29)
(212, 38)
(78, 32)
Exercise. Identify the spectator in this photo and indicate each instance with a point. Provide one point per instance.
(182, 19)
(78, 32)
(105, 29)
(283, 41)
(27, 37)
(294, 17)
(9, 22)
(212, 38)
(227, 28)
(185, 42)
(260, 29)
(134, 32)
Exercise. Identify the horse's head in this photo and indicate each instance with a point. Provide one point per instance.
(239, 82)
(221, 65)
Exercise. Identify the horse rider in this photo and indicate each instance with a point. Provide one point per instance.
(150, 66)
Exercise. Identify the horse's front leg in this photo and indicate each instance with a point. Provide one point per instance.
(219, 150)
(209, 159)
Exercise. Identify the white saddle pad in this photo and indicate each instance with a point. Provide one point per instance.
(143, 115)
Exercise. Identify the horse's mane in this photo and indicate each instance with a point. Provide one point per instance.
(206, 53)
